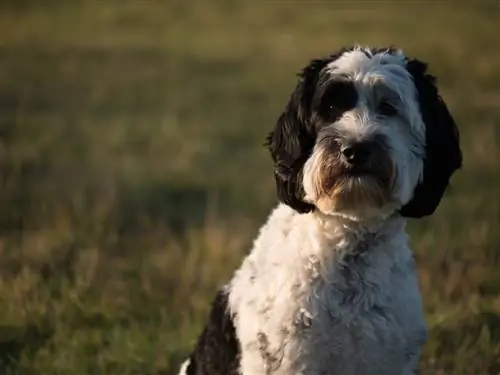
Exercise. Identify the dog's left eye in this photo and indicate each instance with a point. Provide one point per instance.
(387, 109)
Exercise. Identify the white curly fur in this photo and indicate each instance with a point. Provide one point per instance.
(321, 310)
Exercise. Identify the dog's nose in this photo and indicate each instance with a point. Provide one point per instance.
(357, 153)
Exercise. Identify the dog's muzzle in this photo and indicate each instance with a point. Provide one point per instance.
(355, 168)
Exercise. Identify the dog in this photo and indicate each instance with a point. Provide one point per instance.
(329, 288)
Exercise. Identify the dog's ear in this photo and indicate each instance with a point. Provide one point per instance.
(442, 150)
(292, 140)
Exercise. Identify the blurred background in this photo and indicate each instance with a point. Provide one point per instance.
(133, 177)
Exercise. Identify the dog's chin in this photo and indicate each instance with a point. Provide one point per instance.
(357, 196)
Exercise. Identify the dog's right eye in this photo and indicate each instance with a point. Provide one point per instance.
(338, 98)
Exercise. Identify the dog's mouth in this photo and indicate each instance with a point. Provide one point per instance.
(340, 186)
(366, 175)
(354, 190)
(357, 172)
(339, 174)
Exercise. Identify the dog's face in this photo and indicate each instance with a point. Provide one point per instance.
(365, 134)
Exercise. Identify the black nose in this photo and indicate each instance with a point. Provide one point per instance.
(357, 153)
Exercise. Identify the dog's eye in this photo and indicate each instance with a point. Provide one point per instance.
(332, 111)
(387, 109)
(339, 97)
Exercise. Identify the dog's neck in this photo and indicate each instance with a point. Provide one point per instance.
(333, 223)
(349, 236)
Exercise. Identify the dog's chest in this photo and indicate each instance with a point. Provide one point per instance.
(344, 327)
(303, 316)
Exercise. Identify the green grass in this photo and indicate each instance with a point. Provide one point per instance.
(133, 177)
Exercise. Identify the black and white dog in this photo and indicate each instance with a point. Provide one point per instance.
(329, 287)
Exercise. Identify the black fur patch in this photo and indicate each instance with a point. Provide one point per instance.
(339, 96)
(443, 155)
(218, 350)
(293, 138)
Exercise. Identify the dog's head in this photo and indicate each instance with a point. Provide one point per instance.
(365, 133)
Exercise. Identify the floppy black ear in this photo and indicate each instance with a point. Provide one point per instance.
(442, 152)
(292, 140)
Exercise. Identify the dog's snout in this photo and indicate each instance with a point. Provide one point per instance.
(357, 153)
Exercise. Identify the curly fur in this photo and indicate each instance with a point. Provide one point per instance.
(329, 287)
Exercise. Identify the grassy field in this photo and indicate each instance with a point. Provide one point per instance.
(133, 177)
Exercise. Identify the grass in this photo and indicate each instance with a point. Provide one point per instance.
(133, 176)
